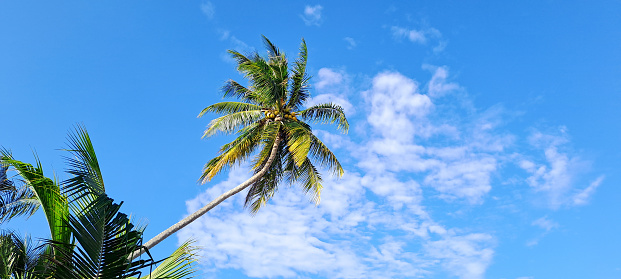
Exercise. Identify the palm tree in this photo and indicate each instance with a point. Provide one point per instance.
(90, 237)
(268, 118)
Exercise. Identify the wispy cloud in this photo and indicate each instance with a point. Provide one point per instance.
(421, 36)
(312, 15)
(208, 9)
(465, 256)
(438, 85)
(556, 175)
(351, 43)
(544, 223)
(415, 36)
(582, 197)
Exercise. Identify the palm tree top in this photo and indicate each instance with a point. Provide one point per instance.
(270, 117)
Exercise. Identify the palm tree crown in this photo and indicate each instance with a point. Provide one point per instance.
(269, 117)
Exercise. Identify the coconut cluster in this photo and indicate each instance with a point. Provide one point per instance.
(286, 113)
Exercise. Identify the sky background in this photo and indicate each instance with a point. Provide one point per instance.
(484, 139)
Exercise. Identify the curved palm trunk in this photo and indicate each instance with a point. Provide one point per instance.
(189, 219)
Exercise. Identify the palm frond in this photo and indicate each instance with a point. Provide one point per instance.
(19, 256)
(229, 107)
(307, 176)
(324, 156)
(83, 166)
(268, 79)
(181, 264)
(326, 114)
(47, 191)
(234, 152)
(229, 123)
(239, 58)
(299, 85)
(278, 61)
(272, 50)
(14, 200)
(298, 141)
(233, 89)
(17, 203)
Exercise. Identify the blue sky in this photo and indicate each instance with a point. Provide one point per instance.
(484, 138)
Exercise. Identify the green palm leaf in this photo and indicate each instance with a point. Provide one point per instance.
(83, 166)
(47, 192)
(299, 85)
(324, 156)
(229, 107)
(20, 258)
(298, 141)
(234, 152)
(326, 114)
(308, 177)
(15, 200)
(231, 122)
(180, 264)
(233, 89)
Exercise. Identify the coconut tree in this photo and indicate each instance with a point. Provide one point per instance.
(272, 125)
(90, 237)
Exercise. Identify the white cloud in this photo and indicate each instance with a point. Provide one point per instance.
(583, 196)
(351, 43)
(438, 86)
(208, 9)
(465, 256)
(556, 176)
(415, 36)
(332, 87)
(400, 118)
(421, 36)
(468, 178)
(545, 223)
(395, 98)
(312, 15)
(328, 77)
